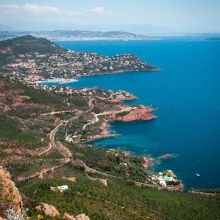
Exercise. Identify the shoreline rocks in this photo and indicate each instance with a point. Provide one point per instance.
(135, 114)
(138, 113)
(148, 162)
(166, 156)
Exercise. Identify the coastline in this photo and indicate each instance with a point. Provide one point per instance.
(75, 78)
(66, 39)
(140, 113)
(136, 113)
(154, 69)
(57, 80)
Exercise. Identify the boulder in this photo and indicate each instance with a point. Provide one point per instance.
(48, 210)
(104, 182)
(72, 179)
(82, 217)
(66, 216)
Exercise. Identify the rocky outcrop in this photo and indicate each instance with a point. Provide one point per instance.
(105, 133)
(82, 217)
(66, 216)
(148, 162)
(104, 182)
(137, 113)
(126, 98)
(166, 156)
(51, 211)
(9, 194)
(126, 154)
(126, 114)
(71, 179)
(48, 210)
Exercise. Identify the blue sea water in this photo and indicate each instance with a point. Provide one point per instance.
(187, 93)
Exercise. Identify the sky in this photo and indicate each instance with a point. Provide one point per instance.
(128, 15)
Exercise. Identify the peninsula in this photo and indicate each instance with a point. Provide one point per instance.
(37, 59)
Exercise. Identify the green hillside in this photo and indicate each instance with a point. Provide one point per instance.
(129, 193)
(28, 43)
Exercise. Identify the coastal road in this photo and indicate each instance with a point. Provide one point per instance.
(96, 116)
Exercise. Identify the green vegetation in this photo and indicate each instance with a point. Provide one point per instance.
(6, 200)
(22, 124)
(49, 60)
(112, 162)
(26, 121)
(10, 131)
(28, 43)
(42, 97)
(121, 200)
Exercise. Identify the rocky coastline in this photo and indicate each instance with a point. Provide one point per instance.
(118, 111)
(140, 113)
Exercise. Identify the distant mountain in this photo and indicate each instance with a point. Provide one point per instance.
(75, 35)
(79, 33)
(144, 29)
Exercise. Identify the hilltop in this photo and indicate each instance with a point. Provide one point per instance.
(28, 43)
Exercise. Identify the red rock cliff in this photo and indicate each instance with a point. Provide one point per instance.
(137, 113)
(9, 194)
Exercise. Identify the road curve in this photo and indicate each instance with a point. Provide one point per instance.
(64, 151)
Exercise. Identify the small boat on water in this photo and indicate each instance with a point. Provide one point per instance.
(197, 174)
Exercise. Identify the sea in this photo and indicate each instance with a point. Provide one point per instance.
(187, 94)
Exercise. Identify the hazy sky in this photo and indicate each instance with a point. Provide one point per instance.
(69, 14)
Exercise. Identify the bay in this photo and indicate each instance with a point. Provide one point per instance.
(187, 93)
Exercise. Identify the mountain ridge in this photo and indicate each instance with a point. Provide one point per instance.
(77, 35)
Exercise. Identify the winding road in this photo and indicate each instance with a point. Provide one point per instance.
(64, 151)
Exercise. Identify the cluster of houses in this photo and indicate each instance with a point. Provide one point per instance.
(168, 180)
(86, 92)
(69, 64)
